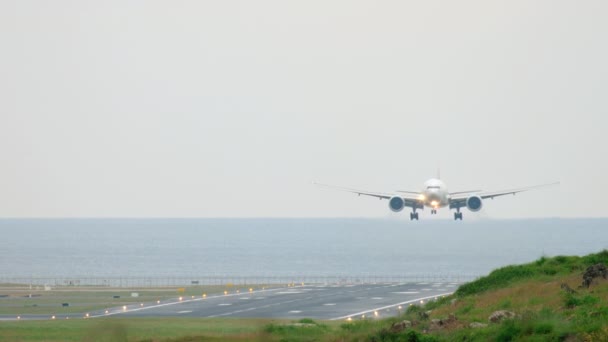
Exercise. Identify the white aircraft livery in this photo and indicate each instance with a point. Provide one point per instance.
(435, 195)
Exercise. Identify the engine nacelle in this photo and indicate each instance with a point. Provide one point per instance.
(474, 203)
(396, 204)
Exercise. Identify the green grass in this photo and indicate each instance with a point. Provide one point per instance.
(85, 299)
(131, 329)
(543, 268)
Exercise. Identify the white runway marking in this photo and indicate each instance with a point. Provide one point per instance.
(245, 298)
(389, 306)
(295, 311)
(290, 292)
(406, 292)
(329, 304)
(117, 312)
(232, 313)
(376, 298)
(427, 289)
(185, 311)
(224, 304)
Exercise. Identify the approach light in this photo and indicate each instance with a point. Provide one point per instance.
(362, 316)
(225, 293)
(349, 319)
(141, 304)
(18, 317)
(107, 312)
(400, 307)
(204, 295)
(421, 302)
(250, 289)
(124, 308)
(192, 297)
(376, 313)
(181, 298)
(86, 315)
(158, 302)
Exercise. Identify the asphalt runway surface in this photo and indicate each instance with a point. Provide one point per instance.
(324, 302)
(311, 301)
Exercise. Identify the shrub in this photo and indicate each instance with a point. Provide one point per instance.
(543, 328)
(509, 331)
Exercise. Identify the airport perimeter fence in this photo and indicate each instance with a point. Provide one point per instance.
(153, 282)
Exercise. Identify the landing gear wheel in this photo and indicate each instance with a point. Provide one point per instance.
(413, 216)
(433, 211)
(458, 216)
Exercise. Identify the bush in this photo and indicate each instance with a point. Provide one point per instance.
(509, 331)
(543, 328)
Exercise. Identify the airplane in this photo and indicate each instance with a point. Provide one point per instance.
(435, 195)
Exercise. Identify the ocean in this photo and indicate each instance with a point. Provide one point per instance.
(353, 247)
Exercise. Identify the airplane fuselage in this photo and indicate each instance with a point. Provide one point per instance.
(434, 194)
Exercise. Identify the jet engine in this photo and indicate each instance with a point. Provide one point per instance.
(474, 203)
(396, 204)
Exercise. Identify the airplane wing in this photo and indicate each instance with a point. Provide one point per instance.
(464, 192)
(460, 200)
(410, 199)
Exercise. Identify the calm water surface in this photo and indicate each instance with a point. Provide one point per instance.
(254, 247)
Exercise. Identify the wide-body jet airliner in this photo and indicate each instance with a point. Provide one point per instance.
(435, 195)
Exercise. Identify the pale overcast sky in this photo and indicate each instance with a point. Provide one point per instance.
(232, 108)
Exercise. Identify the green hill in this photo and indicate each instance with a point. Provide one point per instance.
(546, 297)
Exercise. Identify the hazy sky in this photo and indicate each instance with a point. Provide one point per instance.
(232, 108)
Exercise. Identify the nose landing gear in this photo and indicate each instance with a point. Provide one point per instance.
(413, 216)
(458, 216)
(433, 211)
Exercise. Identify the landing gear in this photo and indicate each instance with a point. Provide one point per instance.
(433, 211)
(413, 216)
(458, 216)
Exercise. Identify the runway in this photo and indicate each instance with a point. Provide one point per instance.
(323, 302)
(309, 301)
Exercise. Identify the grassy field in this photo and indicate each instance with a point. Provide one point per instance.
(534, 292)
(20, 300)
(132, 329)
